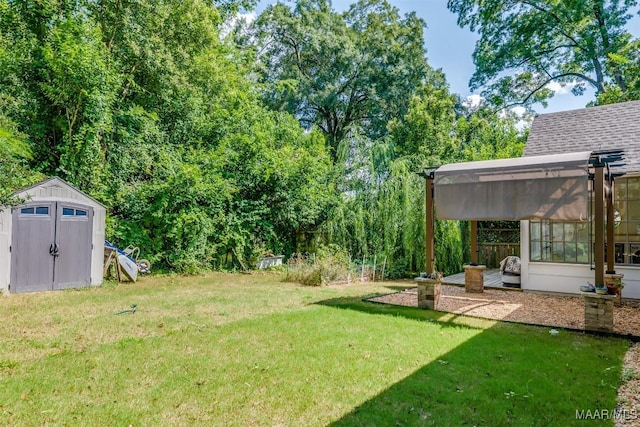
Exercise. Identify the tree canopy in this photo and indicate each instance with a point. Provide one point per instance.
(142, 105)
(210, 154)
(341, 70)
(526, 45)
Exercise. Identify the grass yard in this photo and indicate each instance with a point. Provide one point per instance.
(251, 350)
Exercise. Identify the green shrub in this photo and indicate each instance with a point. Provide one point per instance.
(329, 264)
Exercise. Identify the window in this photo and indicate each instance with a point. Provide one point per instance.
(634, 253)
(38, 210)
(559, 241)
(571, 242)
(73, 212)
(627, 220)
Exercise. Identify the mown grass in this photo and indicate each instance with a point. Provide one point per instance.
(251, 350)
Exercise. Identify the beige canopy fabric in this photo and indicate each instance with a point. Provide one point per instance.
(539, 187)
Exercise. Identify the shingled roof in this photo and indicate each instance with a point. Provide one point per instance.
(595, 128)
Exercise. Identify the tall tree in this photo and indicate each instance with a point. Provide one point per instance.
(14, 153)
(140, 103)
(230, 8)
(526, 45)
(337, 71)
(60, 83)
(628, 63)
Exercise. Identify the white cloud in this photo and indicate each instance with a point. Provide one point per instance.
(519, 111)
(473, 101)
(248, 17)
(560, 88)
(241, 20)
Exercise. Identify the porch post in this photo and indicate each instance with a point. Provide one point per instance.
(599, 223)
(611, 244)
(474, 242)
(429, 224)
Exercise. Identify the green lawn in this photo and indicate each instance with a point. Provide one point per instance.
(250, 350)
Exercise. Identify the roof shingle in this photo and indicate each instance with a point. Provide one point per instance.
(613, 126)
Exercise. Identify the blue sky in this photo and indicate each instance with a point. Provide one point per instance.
(450, 47)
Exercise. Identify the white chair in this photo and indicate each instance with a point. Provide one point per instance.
(510, 271)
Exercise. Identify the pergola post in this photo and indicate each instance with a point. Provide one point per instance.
(611, 268)
(429, 224)
(598, 184)
(474, 242)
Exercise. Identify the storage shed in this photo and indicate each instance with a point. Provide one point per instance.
(54, 241)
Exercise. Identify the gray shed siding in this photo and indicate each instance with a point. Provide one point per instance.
(54, 190)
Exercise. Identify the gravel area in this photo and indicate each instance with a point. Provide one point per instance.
(629, 391)
(545, 310)
(516, 306)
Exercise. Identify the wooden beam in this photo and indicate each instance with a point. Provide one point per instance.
(598, 260)
(429, 226)
(474, 242)
(611, 244)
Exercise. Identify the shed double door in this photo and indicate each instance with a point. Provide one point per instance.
(51, 246)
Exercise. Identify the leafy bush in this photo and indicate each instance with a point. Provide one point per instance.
(329, 264)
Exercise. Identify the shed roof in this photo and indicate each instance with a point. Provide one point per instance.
(54, 182)
(595, 128)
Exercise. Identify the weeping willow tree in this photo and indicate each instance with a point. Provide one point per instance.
(388, 223)
(382, 213)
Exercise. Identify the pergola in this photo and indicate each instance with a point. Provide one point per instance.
(551, 187)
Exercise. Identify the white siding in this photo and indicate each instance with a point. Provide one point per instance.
(5, 255)
(97, 257)
(567, 278)
(524, 255)
(556, 277)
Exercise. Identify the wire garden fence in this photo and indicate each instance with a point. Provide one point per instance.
(333, 267)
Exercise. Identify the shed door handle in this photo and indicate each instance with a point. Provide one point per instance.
(53, 250)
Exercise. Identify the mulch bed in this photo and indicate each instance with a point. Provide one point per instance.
(523, 307)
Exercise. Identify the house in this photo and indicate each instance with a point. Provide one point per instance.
(558, 255)
(559, 190)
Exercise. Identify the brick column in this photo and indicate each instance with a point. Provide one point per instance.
(428, 292)
(598, 312)
(474, 278)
